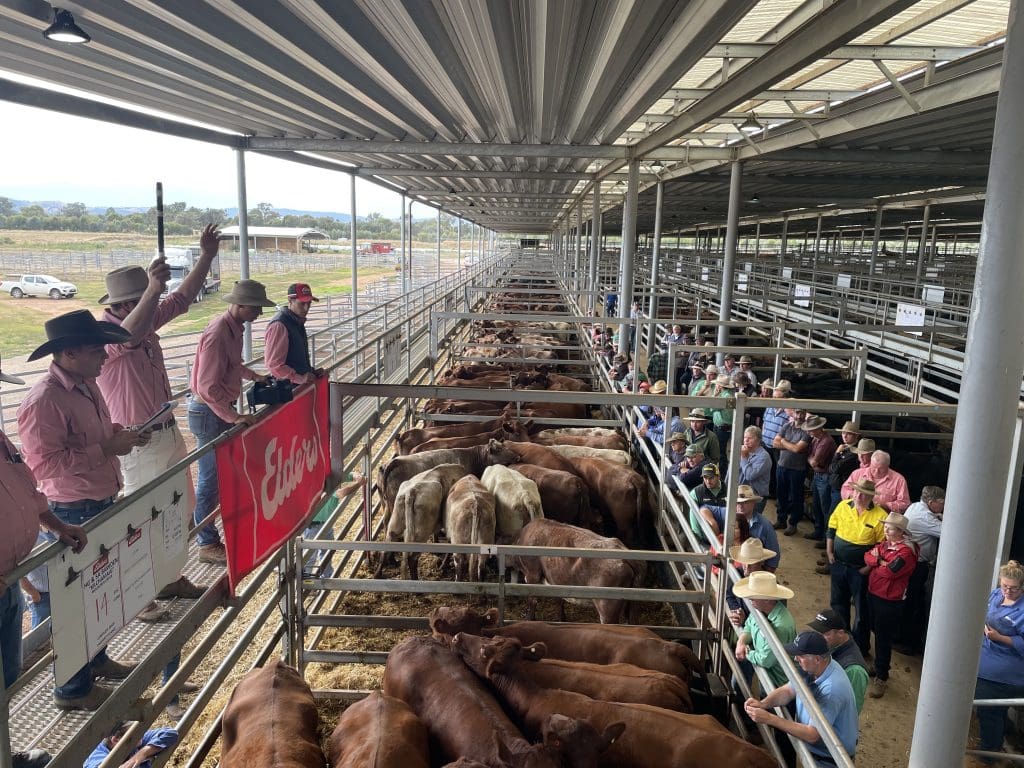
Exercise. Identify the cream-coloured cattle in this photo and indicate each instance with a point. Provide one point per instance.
(517, 500)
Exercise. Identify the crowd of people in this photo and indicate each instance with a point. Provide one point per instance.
(879, 550)
(83, 448)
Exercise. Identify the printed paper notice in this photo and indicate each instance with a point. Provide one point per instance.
(137, 587)
(173, 523)
(101, 595)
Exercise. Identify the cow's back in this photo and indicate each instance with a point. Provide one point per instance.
(379, 732)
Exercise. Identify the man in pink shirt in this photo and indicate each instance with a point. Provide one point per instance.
(891, 491)
(286, 346)
(23, 511)
(71, 445)
(216, 384)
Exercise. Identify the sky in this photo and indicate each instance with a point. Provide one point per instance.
(118, 166)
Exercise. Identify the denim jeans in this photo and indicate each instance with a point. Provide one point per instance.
(789, 485)
(992, 720)
(40, 611)
(206, 426)
(821, 496)
(12, 605)
(81, 682)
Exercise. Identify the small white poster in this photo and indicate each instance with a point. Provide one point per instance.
(748, 267)
(741, 281)
(137, 587)
(933, 294)
(843, 281)
(787, 273)
(101, 597)
(802, 295)
(172, 522)
(910, 314)
(705, 273)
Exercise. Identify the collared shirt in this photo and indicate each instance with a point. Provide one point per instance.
(134, 378)
(275, 351)
(925, 530)
(61, 423)
(760, 653)
(756, 470)
(891, 491)
(657, 367)
(861, 529)
(707, 440)
(1003, 663)
(158, 737)
(834, 695)
(772, 423)
(722, 417)
(218, 371)
(820, 455)
(792, 433)
(20, 506)
(759, 529)
(656, 428)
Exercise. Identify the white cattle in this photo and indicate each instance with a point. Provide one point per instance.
(585, 452)
(469, 519)
(517, 500)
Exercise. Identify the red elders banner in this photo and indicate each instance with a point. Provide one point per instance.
(270, 476)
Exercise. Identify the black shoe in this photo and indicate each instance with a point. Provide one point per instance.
(34, 758)
(779, 526)
(819, 544)
(814, 537)
(906, 650)
(791, 531)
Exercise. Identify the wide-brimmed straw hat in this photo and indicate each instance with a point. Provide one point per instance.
(711, 370)
(745, 359)
(659, 387)
(767, 383)
(697, 414)
(725, 381)
(850, 426)
(125, 284)
(676, 436)
(865, 486)
(78, 329)
(751, 551)
(762, 585)
(812, 423)
(248, 293)
(899, 520)
(864, 445)
(746, 493)
(783, 385)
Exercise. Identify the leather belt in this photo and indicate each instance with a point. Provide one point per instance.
(166, 425)
(81, 504)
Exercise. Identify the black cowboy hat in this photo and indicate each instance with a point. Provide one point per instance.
(77, 329)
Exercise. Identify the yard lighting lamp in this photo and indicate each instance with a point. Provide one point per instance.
(755, 199)
(64, 29)
(751, 124)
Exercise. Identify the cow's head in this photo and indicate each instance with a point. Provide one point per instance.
(489, 656)
(446, 621)
(499, 453)
(578, 741)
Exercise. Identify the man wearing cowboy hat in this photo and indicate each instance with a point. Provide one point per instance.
(216, 384)
(697, 433)
(752, 649)
(721, 418)
(286, 345)
(854, 527)
(844, 461)
(71, 445)
(823, 447)
(889, 565)
(844, 650)
(23, 513)
(690, 470)
(749, 557)
(675, 456)
(832, 693)
(745, 377)
(746, 504)
(792, 443)
(891, 491)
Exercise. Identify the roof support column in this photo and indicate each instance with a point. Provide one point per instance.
(757, 239)
(595, 247)
(874, 243)
(652, 307)
(785, 240)
(935, 244)
(732, 227)
(438, 243)
(243, 244)
(980, 465)
(355, 257)
(817, 240)
(577, 256)
(458, 243)
(922, 244)
(628, 253)
(401, 235)
(906, 240)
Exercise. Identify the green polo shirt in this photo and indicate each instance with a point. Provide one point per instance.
(760, 653)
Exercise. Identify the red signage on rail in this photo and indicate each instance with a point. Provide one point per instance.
(270, 476)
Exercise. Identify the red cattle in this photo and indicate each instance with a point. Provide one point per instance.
(626, 683)
(649, 735)
(270, 721)
(563, 495)
(413, 437)
(618, 492)
(506, 430)
(615, 441)
(379, 732)
(576, 571)
(541, 456)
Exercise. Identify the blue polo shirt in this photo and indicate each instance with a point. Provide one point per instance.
(158, 737)
(834, 695)
(760, 529)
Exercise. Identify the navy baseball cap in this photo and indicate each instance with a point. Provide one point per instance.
(808, 643)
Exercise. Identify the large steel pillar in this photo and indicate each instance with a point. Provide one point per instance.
(980, 462)
(874, 241)
(922, 244)
(595, 247)
(438, 243)
(243, 245)
(458, 243)
(404, 253)
(785, 239)
(732, 226)
(652, 307)
(577, 256)
(628, 253)
(355, 251)
(817, 240)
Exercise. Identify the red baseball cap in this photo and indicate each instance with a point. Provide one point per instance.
(302, 292)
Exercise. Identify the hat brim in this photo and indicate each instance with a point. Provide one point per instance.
(303, 299)
(11, 379)
(734, 554)
(862, 489)
(232, 299)
(859, 452)
(102, 333)
(744, 499)
(133, 296)
(794, 650)
(696, 418)
(744, 591)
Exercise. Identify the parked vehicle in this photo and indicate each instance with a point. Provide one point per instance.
(181, 259)
(38, 285)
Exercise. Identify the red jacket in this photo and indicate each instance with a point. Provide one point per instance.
(890, 568)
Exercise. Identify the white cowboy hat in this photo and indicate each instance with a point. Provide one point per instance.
(761, 585)
(751, 551)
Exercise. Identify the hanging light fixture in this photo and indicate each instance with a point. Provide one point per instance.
(64, 29)
(755, 199)
(751, 124)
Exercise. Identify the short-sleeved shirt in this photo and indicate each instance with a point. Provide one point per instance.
(158, 737)
(20, 506)
(854, 534)
(760, 653)
(925, 530)
(834, 695)
(791, 459)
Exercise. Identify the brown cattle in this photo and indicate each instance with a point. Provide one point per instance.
(462, 717)
(379, 732)
(542, 456)
(469, 519)
(587, 452)
(506, 430)
(613, 442)
(618, 492)
(594, 643)
(413, 437)
(576, 571)
(649, 735)
(563, 495)
(626, 683)
(270, 721)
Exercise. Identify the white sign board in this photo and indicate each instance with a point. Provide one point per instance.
(910, 314)
(391, 351)
(741, 281)
(787, 273)
(933, 294)
(705, 273)
(801, 295)
(128, 559)
(748, 267)
(843, 281)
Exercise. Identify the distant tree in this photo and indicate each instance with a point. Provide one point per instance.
(33, 211)
(212, 216)
(74, 210)
(6, 206)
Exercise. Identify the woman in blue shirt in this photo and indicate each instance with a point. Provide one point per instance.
(1001, 670)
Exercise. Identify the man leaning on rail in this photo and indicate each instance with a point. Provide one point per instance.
(22, 514)
(216, 384)
(286, 345)
(71, 445)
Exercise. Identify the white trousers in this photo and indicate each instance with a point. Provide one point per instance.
(165, 449)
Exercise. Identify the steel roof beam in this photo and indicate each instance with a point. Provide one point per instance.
(783, 94)
(653, 117)
(455, 173)
(938, 158)
(854, 52)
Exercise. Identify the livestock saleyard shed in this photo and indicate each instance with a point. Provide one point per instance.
(807, 178)
(294, 239)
